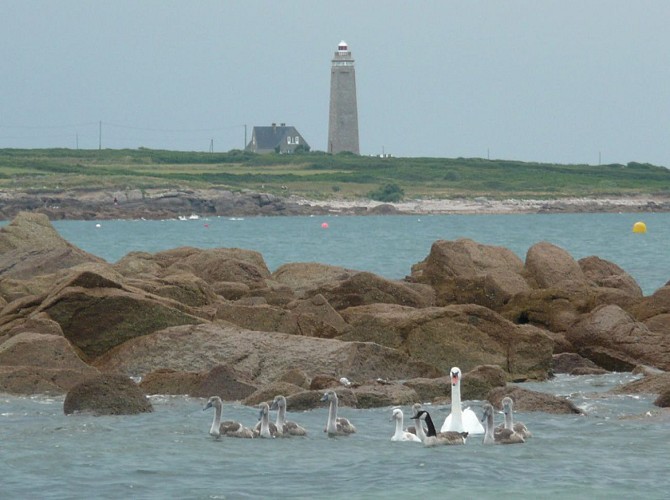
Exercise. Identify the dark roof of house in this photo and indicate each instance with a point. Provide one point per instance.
(271, 136)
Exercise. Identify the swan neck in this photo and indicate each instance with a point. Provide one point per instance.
(488, 437)
(216, 421)
(281, 415)
(456, 411)
(332, 416)
(265, 425)
(398, 426)
(508, 420)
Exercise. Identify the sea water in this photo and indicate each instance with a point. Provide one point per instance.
(390, 245)
(619, 449)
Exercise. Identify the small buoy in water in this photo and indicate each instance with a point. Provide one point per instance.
(97, 225)
(206, 225)
(639, 227)
(324, 225)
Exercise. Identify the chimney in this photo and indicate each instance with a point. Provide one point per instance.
(274, 127)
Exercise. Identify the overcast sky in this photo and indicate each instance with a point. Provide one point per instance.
(565, 81)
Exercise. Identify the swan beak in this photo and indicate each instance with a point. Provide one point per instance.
(454, 380)
(208, 405)
(415, 417)
(324, 397)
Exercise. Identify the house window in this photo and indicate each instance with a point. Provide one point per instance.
(288, 139)
(296, 140)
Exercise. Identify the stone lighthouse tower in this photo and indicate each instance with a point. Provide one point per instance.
(343, 120)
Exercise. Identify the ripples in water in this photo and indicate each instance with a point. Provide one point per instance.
(615, 451)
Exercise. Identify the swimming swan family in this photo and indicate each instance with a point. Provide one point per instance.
(265, 428)
(336, 426)
(400, 434)
(285, 427)
(432, 438)
(518, 427)
(507, 433)
(460, 420)
(497, 436)
(228, 428)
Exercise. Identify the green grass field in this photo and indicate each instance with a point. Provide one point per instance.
(321, 176)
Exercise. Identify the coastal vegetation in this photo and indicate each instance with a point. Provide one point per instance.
(321, 176)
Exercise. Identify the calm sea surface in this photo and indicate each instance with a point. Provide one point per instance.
(620, 450)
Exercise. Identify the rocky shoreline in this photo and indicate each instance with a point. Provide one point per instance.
(217, 321)
(89, 204)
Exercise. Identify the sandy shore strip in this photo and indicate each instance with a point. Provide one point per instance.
(483, 205)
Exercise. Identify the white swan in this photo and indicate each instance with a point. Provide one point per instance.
(401, 435)
(285, 427)
(228, 428)
(336, 426)
(460, 420)
(518, 427)
(432, 438)
(265, 428)
(497, 436)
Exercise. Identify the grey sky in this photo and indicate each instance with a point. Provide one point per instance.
(552, 81)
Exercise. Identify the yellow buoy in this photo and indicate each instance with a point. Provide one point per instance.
(639, 227)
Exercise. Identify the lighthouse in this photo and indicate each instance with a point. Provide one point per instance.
(343, 119)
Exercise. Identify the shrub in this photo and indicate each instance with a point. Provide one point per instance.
(390, 193)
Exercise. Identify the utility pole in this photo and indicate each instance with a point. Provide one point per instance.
(245, 137)
(76, 139)
(100, 135)
(211, 145)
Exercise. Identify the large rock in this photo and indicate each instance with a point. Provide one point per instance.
(312, 317)
(656, 383)
(552, 309)
(30, 246)
(611, 338)
(315, 317)
(603, 273)
(32, 363)
(222, 381)
(261, 317)
(458, 335)
(211, 265)
(12, 289)
(378, 395)
(106, 394)
(526, 400)
(97, 313)
(464, 271)
(368, 288)
(184, 288)
(656, 304)
(219, 264)
(306, 276)
(269, 391)
(574, 364)
(264, 355)
(663, 400)
(35, 323)
(549, 266)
